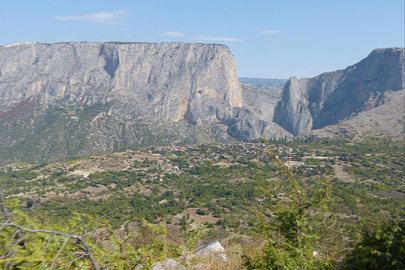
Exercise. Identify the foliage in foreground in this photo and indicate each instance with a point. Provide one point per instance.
(381, 248)
(86, 243)
(289, 238)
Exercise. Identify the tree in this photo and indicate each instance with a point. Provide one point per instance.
(30, 203)
(289, 239)
(380, 248)
(202, 212)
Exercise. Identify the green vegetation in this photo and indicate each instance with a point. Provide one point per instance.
(219, 185)
(34, 243)
(382, 247)
(290, 237)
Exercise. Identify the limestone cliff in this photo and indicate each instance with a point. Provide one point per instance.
(68, 99)
(335, 96)
(170, 81)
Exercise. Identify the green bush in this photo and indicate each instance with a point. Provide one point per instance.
(380, 248)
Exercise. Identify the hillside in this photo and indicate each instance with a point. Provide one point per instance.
(220, 186)
(385, 120)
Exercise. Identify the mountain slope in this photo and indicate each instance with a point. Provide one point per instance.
(335, 96)
(387, 119)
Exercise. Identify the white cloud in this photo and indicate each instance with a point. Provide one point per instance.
(217, 39)
(174, 34)
(272, 32)
(201, 38)
(106, 17)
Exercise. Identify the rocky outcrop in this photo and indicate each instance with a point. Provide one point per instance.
(168, 264)
(209, 249)
(335, 96)
(69, 99)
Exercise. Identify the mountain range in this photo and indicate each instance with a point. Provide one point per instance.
(65, 100)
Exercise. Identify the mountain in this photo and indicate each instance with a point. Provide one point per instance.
(331, 97)
(64, 100)
(386, 119)
(73, 99)
(258, 83)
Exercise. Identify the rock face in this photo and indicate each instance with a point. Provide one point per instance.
(335, 96)
(169, 81)
(386, 119)
(69, 99)
(65, 100)
(255, 118)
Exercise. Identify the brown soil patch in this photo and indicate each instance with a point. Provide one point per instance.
(86, 172)
(97, 189)
(342, 175)
(109, 162)
(145, 191)
(391, 194)
(193, 215)
(370, 181)
(223, 164)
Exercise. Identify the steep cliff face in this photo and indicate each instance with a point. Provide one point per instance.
(169, 81)
(68, 99)
(335, 96)
(255, 119)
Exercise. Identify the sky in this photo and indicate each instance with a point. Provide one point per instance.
(269, 38)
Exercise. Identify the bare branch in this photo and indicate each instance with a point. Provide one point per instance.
(4, 208)
(12, 239)
(67, 235)
(20, 240)
(89, 254)
(97, 219)
(47, 244)
(60, 250)
(41, 231)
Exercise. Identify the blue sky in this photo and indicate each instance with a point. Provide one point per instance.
(269, 39)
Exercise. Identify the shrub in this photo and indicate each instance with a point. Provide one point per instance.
(380, 248)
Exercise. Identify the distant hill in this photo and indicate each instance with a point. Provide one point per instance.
(270, 84)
